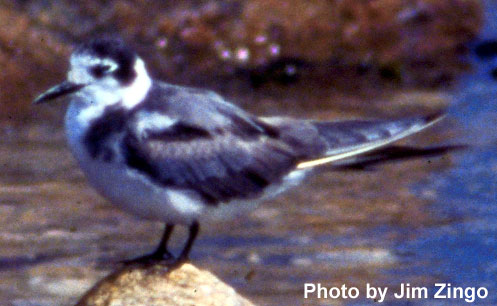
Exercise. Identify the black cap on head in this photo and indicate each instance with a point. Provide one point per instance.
(115, 49)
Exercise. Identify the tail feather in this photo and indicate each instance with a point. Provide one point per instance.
(350, 138)
(395, 153)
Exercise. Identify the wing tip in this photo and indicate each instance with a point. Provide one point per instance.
(427, 120)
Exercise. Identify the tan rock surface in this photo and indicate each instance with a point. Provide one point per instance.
(155, 286)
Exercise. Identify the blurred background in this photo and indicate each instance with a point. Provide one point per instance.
(419, 222)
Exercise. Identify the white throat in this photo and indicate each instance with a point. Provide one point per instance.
(136, 92)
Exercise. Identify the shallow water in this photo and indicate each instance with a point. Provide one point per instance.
(350, 227)
(463, 251)
(418, 222)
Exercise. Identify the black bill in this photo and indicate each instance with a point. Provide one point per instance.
(60, 90)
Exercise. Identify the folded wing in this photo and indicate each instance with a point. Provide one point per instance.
(197, 141)
(219, 165)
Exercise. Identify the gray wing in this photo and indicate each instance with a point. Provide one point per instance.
(349, 139)
(201, 143)
(218, 166)
(211, 147)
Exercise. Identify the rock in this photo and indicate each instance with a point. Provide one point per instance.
(156, 285)
(407, 41)
(413, 43)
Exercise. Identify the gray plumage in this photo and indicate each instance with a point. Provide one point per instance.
(222, 152)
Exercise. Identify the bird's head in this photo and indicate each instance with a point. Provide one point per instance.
(106, 70)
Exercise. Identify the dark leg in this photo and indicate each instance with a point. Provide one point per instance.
(160, 254)
(193, 231)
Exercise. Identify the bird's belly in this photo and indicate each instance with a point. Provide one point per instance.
(133, 193)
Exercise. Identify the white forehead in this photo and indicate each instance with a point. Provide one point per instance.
(78, 73)
(86, 60)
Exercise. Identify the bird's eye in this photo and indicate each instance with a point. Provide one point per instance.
(98, 71)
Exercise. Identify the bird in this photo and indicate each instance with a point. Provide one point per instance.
(181, 155)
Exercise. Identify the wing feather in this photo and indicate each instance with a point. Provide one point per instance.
(221, 167)
(222, 153)
(351, 138)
